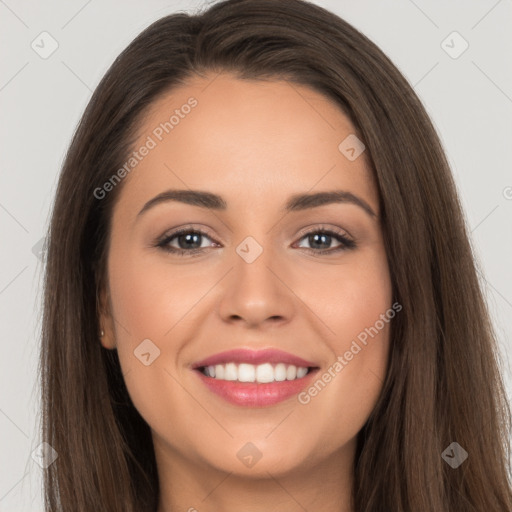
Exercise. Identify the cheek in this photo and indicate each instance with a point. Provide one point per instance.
(350, 297)
(357, 308)
(149, 303)
(150, 297)
(156, 301)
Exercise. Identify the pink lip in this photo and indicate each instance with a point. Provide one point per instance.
(254, 394)
(242, 355)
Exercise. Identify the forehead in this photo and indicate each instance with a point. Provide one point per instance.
(246, 139)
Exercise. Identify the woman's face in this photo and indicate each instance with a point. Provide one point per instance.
(285, 282)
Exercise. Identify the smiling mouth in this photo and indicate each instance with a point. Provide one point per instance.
(262, 373)
(255, 378)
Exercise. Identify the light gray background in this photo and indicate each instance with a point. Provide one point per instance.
(468, 98)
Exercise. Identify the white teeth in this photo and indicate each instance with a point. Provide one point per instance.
(262, 373)
(265, 373)
(291, 372)
(246, 373)
(219, 371)
(230, 371)
(300, 372)
(280, 372)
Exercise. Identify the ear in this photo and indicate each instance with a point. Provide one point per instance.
(105, 319)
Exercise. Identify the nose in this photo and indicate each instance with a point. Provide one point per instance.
(257, 293)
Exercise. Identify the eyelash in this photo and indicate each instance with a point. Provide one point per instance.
(346, 243)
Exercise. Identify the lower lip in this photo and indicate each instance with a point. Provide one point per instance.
(254, 394)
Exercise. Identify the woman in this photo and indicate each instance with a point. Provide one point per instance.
(323, 343)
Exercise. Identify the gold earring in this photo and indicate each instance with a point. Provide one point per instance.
(102, 333)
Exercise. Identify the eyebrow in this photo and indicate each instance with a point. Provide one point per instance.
(297, 202)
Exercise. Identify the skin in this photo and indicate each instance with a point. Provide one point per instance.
(248, 140)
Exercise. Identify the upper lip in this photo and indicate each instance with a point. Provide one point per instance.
(250, 356)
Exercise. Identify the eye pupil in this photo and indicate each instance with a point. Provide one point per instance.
(325, 239)
(189, 237)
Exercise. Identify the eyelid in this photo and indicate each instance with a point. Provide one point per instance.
(205, 231)
(323, 227)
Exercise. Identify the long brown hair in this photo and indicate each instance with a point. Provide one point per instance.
(443, 383)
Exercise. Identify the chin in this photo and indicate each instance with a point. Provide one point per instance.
(259, 457)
